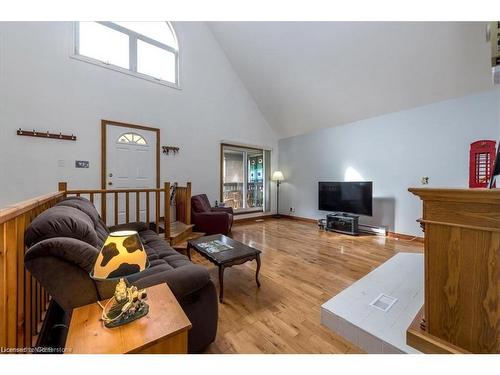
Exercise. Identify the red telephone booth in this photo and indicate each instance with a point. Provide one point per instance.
(481, 159)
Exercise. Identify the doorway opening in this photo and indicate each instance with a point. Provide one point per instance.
(130, 160)
(245, 178)
(137, 145)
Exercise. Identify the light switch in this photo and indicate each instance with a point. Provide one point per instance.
(82, 163)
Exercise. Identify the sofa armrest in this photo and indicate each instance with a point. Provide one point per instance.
(182, 280)
(212, 222)
(229, 210)
(70, 250)
(62, 267)
(137, 226)
(219, 217)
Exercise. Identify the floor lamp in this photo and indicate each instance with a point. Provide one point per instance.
(278, 177)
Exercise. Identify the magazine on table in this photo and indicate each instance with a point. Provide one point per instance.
(215, 246)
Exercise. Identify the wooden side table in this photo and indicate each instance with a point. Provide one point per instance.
(163, 331)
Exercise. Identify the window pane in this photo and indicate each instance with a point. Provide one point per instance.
(104, 44)
(132, 138)
(255, 182)
(155, 62)
(233, 178)
(159, 31)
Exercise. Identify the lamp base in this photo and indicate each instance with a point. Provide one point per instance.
(127, 305)
(127, 317)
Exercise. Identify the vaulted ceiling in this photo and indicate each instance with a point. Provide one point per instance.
(309, 75)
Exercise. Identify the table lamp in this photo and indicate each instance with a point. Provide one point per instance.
(278, 177)
(122, 255)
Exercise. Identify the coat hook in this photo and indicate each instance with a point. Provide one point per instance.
(46, 134)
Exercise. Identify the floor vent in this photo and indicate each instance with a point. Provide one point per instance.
(383, 302)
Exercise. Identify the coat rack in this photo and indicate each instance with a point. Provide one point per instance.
(168, 149)
(34, 133)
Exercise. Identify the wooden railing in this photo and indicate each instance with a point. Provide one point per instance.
(23, 302)
(154, 203)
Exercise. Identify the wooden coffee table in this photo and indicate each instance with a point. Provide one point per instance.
(239, 254)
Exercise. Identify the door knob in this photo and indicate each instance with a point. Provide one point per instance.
(110, 175)
(110, 183)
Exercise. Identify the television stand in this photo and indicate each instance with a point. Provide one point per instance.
(342, 223)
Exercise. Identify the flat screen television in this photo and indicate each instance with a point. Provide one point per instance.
(348, 197)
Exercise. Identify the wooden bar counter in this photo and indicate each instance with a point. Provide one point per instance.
(461, 312)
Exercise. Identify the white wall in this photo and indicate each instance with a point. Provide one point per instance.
(42, 88)
(394, 151)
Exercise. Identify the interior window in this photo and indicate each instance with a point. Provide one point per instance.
(104, 44)
(146, 49)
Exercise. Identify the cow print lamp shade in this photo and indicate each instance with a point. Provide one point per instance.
(122, 255)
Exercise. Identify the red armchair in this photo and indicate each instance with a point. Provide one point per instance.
(210, 220)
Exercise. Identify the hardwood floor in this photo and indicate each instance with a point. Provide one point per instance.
(301, 269)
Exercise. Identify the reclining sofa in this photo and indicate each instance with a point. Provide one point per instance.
(64, 241)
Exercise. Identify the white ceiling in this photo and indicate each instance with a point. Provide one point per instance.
(310, 75)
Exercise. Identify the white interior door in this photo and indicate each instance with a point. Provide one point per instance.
(130, 164)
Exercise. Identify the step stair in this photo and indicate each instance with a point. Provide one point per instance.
(182, 246)
(179, 231)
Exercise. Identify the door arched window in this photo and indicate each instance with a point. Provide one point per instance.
(132, 138)
(147, 50)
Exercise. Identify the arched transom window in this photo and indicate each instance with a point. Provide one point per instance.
(132, 138)
(148, 50)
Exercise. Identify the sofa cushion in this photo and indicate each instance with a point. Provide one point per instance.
(182, 281)
(157, 249)
(89, 209)
(61, 221)
(83, 205)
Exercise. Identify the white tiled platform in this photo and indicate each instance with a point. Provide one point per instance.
(350, 315)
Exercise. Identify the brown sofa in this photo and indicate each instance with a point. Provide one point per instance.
(210, 220)
(64, 241)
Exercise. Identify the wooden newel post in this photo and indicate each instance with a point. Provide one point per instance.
(188, 203)
(63, 186)
(166, 211)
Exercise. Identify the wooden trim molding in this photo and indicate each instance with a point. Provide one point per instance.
(458, 195)
(405, 237)
(395, 235)
(462, 226)
(418, 337)
(104, 124)
(238, 213)
(299, 218)
(245, 220)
